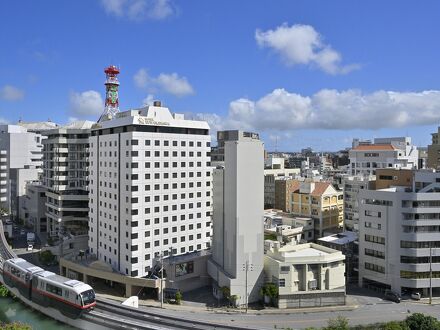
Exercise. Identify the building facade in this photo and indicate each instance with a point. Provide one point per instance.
(66, 168)
(307, 275)
(351, 187)
(320, 201)
(434, 152)
(20, 162)
(398, 231)
(238, 247)
(150, 188)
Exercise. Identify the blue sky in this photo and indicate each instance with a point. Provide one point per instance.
(302, 73)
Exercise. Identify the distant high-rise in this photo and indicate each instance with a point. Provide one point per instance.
(238, 233)
(20, 161)
(396, 152)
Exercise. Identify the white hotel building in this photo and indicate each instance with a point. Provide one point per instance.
(150, 188)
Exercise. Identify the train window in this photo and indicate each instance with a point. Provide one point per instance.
(66, 294)
(54, 289)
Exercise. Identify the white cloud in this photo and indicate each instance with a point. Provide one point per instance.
(88, 103)
(173, 84)
(170, 83)
(139, 10)
(141, 78)
(149, 100)
(302, 44)
(11, 93)
(281, 111)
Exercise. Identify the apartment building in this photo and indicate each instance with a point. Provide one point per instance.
(434, 151)
(20, 162)
(319, 200)
(66, 166)
(397, 152)
(398, 231)
(150, 188)
(237, 248)
(352, 184)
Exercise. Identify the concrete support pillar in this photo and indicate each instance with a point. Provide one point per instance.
(128, 290)
(85, 278)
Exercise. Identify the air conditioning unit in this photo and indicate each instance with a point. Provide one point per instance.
(313, 284)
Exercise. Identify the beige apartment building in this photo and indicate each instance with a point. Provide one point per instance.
(320, 201)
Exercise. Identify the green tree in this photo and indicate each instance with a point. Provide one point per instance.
(4, 292)
(46, 257)
(339, 323)
(419, 321)
(15, 326)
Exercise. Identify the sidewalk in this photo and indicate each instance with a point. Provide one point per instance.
(201, 308)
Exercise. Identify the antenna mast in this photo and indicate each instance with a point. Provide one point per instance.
(111, 93)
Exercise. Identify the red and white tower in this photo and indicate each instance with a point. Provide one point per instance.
(111, 93)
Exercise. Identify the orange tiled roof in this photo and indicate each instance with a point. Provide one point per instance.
(374, 147)
(320, 187)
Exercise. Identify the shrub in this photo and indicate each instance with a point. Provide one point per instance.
(15, 326)
(4, 292)
(339, 323)
(419, 321)
(179, 297)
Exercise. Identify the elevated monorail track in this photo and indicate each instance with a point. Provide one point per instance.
(110, 314)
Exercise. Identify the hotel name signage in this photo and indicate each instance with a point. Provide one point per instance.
(149, 121)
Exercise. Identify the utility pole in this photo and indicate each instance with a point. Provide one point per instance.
(247, 267)
(161, 280)
(430, 273)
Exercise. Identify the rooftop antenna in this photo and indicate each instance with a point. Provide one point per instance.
(111, 93)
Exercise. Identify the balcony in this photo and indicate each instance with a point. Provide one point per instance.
(3, 152)
(3, 159)
(3, 191)
(3, 183)
(3, 175)
(3, 199)
(3, 167)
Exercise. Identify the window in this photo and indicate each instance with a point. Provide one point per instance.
(282, 283)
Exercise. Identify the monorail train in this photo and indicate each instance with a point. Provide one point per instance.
(71, 297)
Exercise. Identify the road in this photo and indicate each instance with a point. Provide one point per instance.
(370, 310)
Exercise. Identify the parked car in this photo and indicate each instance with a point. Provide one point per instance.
(22, 232)
(416, 296)
(30, 247)
(392, 296)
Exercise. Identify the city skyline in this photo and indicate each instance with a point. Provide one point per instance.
(295, 75)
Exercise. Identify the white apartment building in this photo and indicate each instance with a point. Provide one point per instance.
(238, 241)
(65, 177)
(20, 162)
(396, 152)
(150, 188)
(352, 184)
(397, 228)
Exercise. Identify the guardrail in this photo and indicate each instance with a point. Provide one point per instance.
(5, 250)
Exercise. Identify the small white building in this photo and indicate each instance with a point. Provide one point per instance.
(307, 275)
